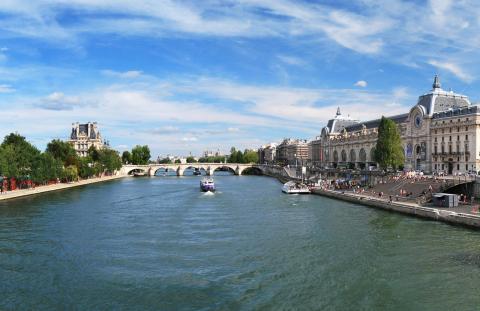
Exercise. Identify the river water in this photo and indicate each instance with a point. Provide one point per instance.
(160, 244)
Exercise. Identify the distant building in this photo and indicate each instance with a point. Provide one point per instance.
(292, 151)
(266, 153)
(209, 153)
(84, 136)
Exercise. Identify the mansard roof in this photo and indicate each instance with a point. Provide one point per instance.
(337, 124)
(438, 100)
(401, 118)
(456, 112)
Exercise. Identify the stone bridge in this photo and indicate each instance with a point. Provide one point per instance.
(209, 168)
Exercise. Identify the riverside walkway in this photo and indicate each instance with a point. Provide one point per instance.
(7, 195)
(465, 215)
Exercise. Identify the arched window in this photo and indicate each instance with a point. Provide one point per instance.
(362, 155)
(372, 155)
(344, 156)
(353, 156)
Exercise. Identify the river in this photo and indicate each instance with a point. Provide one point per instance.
(160, 244)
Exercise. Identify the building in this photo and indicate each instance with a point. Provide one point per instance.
(209, 153)
(440, 133)
(84, 136)
(292, 152)
(266, 153)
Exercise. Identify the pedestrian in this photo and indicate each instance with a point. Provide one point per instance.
(390, 199)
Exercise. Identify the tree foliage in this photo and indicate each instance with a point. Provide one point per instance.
(212, 159)
(21, 160)
(126, 157)
(237, 156)
(19, 156)
(140, 155)
(191, 159)
(250, 156)
(62, 151)
(389, 151)
(165, 161)
(110, 160)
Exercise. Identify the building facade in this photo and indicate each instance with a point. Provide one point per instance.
(84, 136)
(292, 152)
(439, 134)
(267, 153)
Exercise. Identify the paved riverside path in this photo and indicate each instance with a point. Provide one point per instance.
(42, 189)
(461, 215)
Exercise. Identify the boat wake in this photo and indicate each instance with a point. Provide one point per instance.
(209, 193)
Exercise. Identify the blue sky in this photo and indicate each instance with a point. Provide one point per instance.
(186, 76)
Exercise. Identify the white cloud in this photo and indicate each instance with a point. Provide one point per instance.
(361, 83)
(5, 88)
(121, 147)
(166, 130)
(291, 60)
(131, 74)
(403, 32)
(58, 101)
(452, 68)
(189, 139)
(119, 107)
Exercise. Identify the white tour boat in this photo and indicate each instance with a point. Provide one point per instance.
(295, 187)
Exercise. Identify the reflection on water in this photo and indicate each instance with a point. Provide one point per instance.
(162, 244)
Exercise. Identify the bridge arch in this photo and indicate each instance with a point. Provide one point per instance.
(229, 168)
(253, 170)
(156, 169)
(181, 169)
(131, 171)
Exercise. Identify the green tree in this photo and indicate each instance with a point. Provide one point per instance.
(46, 168)
(71, 173)
(7, 167)
(191, 159)
(389, 151)
(239, 157)
(250, 156)
(126, 157)
(94, 153)
(85, 167)
(140, 155)
(62, 151)
(109, 160)
(165, 161)
(178, 161)
(20, 155)
(233, 156)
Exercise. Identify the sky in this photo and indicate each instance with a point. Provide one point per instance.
(188, 76)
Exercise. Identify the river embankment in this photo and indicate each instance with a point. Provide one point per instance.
(439, 214)
(456, 216)
(8, 195)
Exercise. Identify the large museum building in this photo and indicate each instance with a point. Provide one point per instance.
(439, 134)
